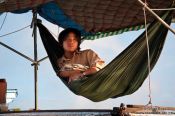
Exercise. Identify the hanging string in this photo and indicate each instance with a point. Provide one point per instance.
(3, 21)
(148, 51)
(58, 31)
(15, 31)
(55, 36)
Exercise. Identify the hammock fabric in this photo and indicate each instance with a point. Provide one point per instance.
(125, 74)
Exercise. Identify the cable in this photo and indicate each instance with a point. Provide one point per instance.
(3, 21)
(56, 36)
(58, 31)
(15, 31)
(53, 34)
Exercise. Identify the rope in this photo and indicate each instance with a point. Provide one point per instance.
(58, 31)
(3, 21)
(149, 68)
(53, 34)
(23, 29)
(15, 31)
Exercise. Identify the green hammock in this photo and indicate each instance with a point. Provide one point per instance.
(125, 74)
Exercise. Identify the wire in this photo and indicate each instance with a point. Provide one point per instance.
(15, 31)
(148, 51)
(58, 31)
(53, 34)
(3, 21)
(56, 36)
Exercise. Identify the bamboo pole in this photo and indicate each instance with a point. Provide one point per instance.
(153, 13)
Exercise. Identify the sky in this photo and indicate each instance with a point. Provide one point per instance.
(52, 93)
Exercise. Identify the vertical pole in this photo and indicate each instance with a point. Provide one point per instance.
(35, 57)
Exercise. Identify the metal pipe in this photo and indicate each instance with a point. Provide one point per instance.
(42, 59)
(17, 52)
(35, 58)
(153, 13)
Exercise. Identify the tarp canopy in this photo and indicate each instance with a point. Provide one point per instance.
(13, 5)
(99, 17)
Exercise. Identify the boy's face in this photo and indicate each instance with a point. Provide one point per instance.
(70, 44)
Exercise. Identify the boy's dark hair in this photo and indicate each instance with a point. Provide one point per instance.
(63, 35)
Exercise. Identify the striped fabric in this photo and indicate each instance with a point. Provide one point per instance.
(125, 74)
(106, 34)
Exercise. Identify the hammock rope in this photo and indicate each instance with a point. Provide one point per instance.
(148, 56)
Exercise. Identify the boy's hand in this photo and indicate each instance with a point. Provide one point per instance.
(75, 75)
